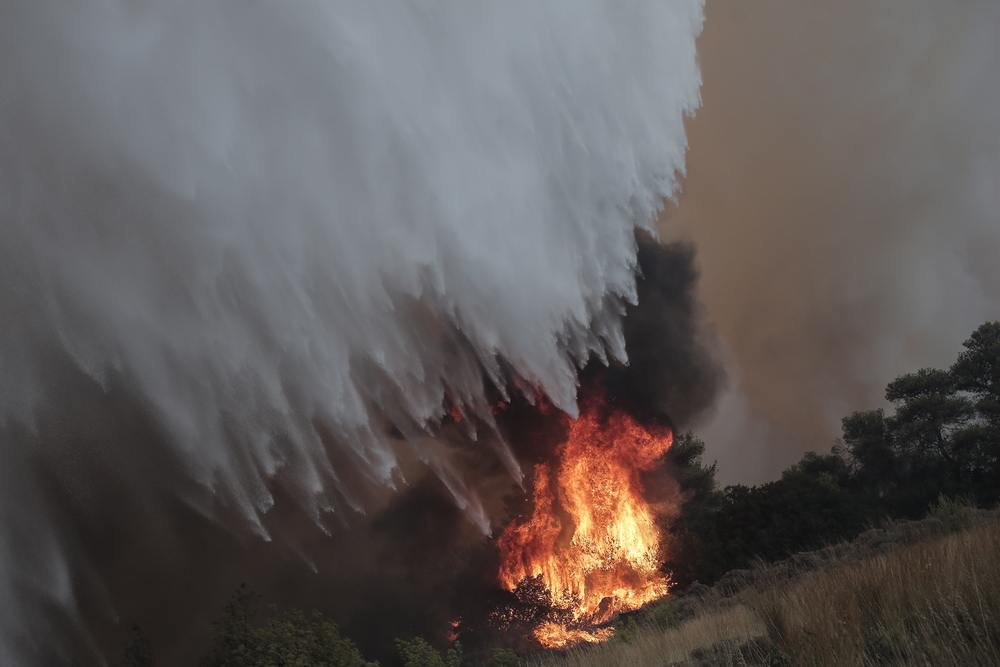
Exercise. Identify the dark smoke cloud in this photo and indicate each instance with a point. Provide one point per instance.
(674, 369)
(843, 191)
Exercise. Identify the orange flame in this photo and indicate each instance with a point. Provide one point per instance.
(592, 539)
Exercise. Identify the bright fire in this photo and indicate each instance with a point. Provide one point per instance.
(592, 539)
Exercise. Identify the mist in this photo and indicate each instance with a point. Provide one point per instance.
(843, 192)
(251, 254)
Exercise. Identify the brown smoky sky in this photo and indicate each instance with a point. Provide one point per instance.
(843, 191)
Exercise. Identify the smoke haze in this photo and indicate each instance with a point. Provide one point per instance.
(252, 250)
(843, 191)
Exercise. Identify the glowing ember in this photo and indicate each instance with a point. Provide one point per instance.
(592, 538)
(553, 635)
(453, 633)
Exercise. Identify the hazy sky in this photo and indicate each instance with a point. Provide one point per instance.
(843, 190)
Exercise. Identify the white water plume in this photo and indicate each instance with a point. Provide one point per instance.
(276, 227)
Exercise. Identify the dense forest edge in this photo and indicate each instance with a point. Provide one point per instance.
(937, 455)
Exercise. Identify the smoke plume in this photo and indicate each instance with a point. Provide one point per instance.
(250, 252)
(843, 191)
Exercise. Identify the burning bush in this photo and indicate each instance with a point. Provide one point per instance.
(592, 545)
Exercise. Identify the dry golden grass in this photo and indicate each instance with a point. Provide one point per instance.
(935, 601)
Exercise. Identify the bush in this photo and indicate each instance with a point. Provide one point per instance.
(504, 657)
(418, 653)
(666, 613)
(285, 640)
(953, 515)
(626, 630)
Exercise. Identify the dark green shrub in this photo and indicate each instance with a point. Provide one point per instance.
(953, 515)
(504, 657)
(418, 653)
(289, 639)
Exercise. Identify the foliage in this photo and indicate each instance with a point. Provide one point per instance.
(418, 653)
(953, 515)
(626, 629)
(804, 509)
(504, 657)
(941, 440)
(666, 613)
(944, 436)
(289, 639)
(701, 501)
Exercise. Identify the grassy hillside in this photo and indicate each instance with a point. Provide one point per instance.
(910, 594)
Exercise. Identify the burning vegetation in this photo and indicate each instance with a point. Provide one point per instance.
(588, 533)
(555, 590)
(591, 546)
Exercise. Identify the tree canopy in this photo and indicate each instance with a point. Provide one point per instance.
(289, 639)
(942, 439)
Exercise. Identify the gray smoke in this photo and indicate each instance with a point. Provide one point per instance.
(241, 242)
(843, 191)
